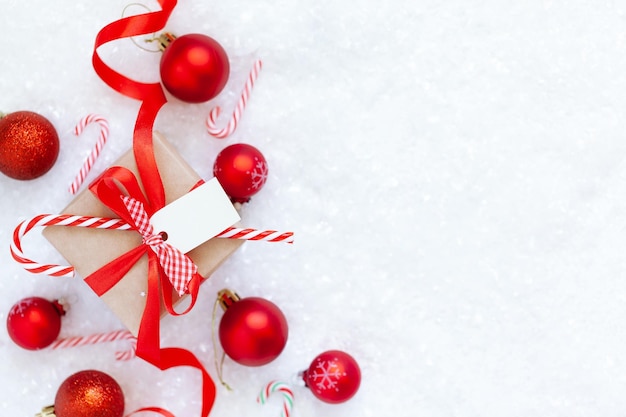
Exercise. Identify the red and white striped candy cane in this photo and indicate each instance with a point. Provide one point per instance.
(253, 234)
(69, 220)
(56, 220)
(91, 159)
(93, 339)
(241, 105)
(287, 393)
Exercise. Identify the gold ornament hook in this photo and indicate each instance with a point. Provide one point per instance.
(152, 39)
(225, 298)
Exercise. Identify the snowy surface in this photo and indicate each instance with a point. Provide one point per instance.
(454, 173)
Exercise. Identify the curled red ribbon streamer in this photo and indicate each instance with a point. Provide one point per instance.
(151, 95)
(152, 98)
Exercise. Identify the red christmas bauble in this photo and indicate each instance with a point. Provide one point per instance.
(29, 145)
(194, 68)
(34, 323)
(253, 331)
(333, 376)
(89, 394)
(241, 169)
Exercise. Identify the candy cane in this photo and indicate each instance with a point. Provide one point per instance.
(69, 220)
(155, 410)
(91, 159)
(253, 234)
(56, 220)
(277, 386)
(241, 105)
(93, 339)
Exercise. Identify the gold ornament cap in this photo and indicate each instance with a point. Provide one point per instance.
(165, 39)
(227, 298)
(46, 412)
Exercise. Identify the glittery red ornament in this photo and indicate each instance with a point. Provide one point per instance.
(89, 394)
(34, 323)
(194, 68)
(253, 330)
(333, 376)
(29, 145)
(241, 169)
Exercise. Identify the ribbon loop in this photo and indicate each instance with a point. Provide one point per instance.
(179, 269)
(154, 241)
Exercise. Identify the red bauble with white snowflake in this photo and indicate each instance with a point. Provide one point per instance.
(34, 323)
(333, 377)
(241, 169)
(253, 330)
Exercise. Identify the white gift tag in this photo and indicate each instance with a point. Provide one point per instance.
(196, 217)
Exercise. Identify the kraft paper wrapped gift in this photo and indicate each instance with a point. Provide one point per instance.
(89, 249)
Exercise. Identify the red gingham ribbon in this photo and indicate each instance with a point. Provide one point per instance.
(177, 266)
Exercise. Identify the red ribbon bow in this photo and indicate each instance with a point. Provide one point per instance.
(177, 266)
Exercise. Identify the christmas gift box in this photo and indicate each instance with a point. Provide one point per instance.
(89, 249)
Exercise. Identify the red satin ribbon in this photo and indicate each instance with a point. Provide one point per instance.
(151, 95)
(107, 189)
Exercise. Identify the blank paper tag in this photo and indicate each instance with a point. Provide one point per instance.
(196, 217)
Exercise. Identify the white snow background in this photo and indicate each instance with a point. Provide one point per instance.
(454, 172)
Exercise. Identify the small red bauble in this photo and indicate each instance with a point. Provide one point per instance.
(194, 68)
(253, 330)
(241, 169)
(333, 376)
(34, 323)
(89, 394)
(29, 145)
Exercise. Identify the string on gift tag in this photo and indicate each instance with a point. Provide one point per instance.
(284, 389)
(241, 105)
(68, 220)
(97, 338)
(91, 159)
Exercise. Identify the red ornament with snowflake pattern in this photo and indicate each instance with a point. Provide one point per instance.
(333, 377)
(34, 323)
(241, 169)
